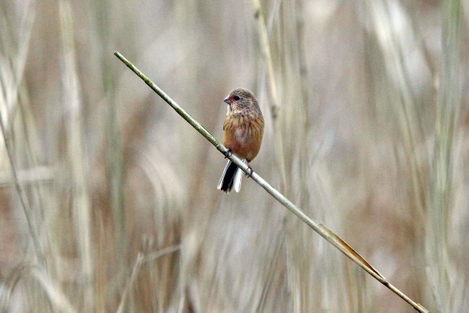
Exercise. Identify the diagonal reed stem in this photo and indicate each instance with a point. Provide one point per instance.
(322, 230)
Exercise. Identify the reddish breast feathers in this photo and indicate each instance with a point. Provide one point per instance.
(243, 134)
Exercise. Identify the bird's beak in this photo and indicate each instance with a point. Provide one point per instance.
(227, 100)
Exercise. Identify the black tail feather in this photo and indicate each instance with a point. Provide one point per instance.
(228, 177)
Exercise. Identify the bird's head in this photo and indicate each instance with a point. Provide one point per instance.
(241, 99)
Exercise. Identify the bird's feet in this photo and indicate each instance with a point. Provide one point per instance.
(250, 171)
(228, 153)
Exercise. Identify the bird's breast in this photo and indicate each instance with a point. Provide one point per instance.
(243, 134)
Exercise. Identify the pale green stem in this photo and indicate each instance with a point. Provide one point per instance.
(322, 230)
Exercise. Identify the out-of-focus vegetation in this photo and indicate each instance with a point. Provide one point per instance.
(108, 199)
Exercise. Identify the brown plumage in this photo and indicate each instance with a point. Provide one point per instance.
(242, 134)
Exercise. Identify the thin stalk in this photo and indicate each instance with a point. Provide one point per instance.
(81, 206)
(267, 56)
(140, 260)
(24, 202)
(272, 86)
(322, 230)
(449, 105)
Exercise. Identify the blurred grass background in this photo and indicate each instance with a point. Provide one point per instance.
(108, 198)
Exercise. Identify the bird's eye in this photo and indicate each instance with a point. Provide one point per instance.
(236, 98)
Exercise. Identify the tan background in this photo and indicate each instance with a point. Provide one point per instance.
(120, 192)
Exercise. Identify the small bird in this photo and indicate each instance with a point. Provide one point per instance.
(242, 134)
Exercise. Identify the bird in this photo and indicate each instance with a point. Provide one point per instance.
(243, 130)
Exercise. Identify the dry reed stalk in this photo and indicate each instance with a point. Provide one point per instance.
(322, 230)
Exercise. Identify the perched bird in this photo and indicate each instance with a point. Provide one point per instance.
(242, 134)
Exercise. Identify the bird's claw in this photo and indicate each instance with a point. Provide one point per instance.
(250, 171)
(228, 153)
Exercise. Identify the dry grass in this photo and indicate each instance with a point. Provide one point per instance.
(103, 212)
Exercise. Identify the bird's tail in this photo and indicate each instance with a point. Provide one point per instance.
(231, 178)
